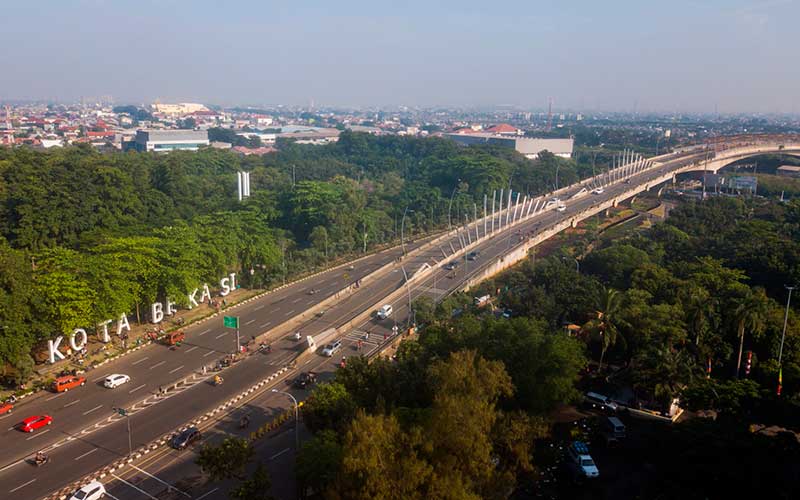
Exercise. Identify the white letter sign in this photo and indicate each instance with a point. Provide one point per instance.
(79, 332)
(192, 300)
(123, 323)
(157, 312)
(206, 293)
(103, 334)
(54, 352)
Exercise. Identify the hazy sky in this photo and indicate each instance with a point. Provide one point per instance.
(738, 55)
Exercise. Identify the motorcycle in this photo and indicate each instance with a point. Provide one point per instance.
(38, 461)
(267, 348)
(244, 422)
(297, 336)
(218, 380)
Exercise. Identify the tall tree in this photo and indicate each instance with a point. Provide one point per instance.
(750, 315)
(604, 325)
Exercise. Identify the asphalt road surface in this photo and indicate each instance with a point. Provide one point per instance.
(86, 434)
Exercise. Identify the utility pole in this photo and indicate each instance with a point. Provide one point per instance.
(402, 227)
(124, 413)
(296, 419)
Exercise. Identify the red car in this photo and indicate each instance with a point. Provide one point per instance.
(30, 424)
(5, 408)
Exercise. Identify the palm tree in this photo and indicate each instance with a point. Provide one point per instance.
(698, 306)
(605, 325)
(750, 314)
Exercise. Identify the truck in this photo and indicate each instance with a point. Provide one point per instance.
(580, 462)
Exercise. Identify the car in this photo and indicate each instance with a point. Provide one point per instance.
(473, 255)
(116, 380)
(67, 382)
(581, 462)
(561, 208)
(599, 402)
(385, 311)
(30, 424)
(451, 265)
(305, 380)
(612, 430)
(91, 491)
(598, 191)
(6, 408)
(185, 438)
(330, 349)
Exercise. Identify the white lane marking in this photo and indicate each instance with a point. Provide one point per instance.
(160, 481)
(289, 313)
(298, 299)
(54, 397)
(273, 457)
(136, 389)
(21, 486)
(251, 321)
(140, 360)
(176, 369)
(220, 335)
(192, 349)
(157, 365)
(204, 332)
(85, 454)
(148, 495)
(101, 378)
(209, 353)
(93, 409)
(259, 307)
(70, 404)
(201, 497)
(38, 434)
(266, 324)
(110, 495)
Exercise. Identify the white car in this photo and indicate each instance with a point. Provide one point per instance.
(561, 208)
(92, 491)
(331, 348)
(581, 462)
(116, 380)
(385, 311)
(598, 191)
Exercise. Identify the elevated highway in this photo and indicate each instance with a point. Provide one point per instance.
(87, 435)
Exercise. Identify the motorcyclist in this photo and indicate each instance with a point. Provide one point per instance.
(244, 421)
(217, 380)
(40, 457)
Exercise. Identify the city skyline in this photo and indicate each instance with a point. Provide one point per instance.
(718, 57)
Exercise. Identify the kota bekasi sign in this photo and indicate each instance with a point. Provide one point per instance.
(79, 338)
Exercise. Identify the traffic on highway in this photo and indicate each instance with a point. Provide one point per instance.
(85, 423)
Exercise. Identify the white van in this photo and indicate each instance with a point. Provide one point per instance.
(613, 430)
(385, 311)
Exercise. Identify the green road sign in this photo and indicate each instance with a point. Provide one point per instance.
(230, 321)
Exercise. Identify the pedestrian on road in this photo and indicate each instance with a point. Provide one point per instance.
(160, 390)
(204, 369)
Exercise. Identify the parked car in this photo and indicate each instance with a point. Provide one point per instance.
(451, 265)
(385, 311)
(330, 349)
(599, 402)
(30, 424)
(92, 491)
(580, 462)
(305, 380)
(613, 430)
(185, 438)
(67, 382)
(6, 408)
(116, 380)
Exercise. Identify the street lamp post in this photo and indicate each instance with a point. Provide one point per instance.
(296, 418)
(123, 412)
(450, 206)
(402, 229)
(785, 321)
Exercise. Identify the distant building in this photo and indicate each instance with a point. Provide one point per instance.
(183, 108)
(789, 171)
(527, 146)
(309, 135)
(169, 140)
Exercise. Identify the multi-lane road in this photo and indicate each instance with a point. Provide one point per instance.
(86, 434)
